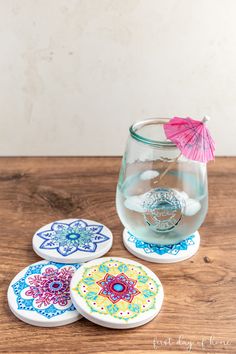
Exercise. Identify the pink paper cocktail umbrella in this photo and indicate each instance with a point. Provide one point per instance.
(193, 139)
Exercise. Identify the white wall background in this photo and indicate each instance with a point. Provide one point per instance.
(74, 74)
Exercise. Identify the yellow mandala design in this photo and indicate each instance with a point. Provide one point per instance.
(118, 289)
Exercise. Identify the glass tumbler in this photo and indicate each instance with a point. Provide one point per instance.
(162, 197)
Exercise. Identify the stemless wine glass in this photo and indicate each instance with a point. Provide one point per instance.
(162, 197)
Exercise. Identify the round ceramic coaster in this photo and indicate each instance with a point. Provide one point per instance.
(72, 241)
(40, 294)
(162, 253)
(116, 292)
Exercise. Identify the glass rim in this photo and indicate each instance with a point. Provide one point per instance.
(150, 121)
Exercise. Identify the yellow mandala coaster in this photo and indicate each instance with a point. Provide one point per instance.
(116, 292)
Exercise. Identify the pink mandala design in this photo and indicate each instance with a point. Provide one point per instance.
(52, 287)
(119, 287)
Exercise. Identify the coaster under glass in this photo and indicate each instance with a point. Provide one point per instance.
(162, 253)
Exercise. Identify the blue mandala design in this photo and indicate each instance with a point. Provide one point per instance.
(162, 249)
(45, 289)
(72, 237)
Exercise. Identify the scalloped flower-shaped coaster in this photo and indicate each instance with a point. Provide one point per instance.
(72, 241)
(116, 292)
(40, 294)
(162, 253)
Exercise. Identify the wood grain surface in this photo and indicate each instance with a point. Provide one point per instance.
(198, 314)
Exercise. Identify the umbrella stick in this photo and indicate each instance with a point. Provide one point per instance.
(167, 169)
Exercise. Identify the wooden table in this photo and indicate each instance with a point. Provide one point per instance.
(199, 306)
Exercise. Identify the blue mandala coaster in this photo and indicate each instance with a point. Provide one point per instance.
(40, 294)
(162, 253)
(72, 241)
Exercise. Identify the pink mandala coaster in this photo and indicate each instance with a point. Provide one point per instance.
(116, 292)
(72, 241)
(40, 294)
